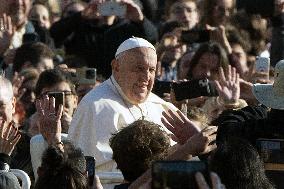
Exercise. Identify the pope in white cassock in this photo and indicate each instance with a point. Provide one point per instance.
(122, 99)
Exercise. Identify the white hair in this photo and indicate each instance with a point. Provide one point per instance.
(6, 88)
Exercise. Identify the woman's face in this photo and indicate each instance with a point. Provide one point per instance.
(207, 67)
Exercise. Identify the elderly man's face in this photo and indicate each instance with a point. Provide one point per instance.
(135, 73)
(7, 104)
(17, 9)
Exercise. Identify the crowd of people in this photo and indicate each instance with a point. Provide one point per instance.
(134, 82)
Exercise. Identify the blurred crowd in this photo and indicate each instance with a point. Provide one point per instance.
(130, 84)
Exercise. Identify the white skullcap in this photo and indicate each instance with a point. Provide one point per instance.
(131, 43)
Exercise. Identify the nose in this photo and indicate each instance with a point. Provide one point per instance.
(145, 75)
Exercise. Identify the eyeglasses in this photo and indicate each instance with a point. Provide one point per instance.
(66, 93)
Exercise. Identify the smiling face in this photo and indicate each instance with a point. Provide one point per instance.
(17, 9)
(134, 70)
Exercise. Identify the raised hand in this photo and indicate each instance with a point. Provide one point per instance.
(49, 119)
(228, 85)
(203, 142)
(133, 11)
(91, 11)
(7, 31)
(181, 127)
(9, 137)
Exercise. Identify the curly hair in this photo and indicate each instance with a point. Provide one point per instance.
(239, 166)
(136, 146)
(62, 169)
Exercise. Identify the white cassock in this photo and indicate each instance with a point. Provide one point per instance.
(104, 111)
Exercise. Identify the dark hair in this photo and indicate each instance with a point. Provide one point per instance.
(50, 78)
(65, 170)
(169, 4)
(207, 11)
(210, 47)
(168, 27)
(239, 165)
(31, 52)
(136, 146)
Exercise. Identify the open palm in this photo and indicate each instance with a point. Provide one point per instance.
(228, 85)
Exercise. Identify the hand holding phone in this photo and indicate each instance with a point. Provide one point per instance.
(262, 67)
(90, 166)
(59, 99)
(112, 9)
(177, 174)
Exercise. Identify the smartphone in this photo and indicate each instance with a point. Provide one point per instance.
(90, 167)
(193, 89)
(177, 174)
(262, 64)
(271, 150)
(161, 87)
(59, 98)
(195, 36)
(110, 8)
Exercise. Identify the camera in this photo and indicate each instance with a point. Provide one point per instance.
(195, 36)
(112, 9)
(81, 75)
(186, 89)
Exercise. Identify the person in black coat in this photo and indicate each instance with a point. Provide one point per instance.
(252, 123)
(89, 36)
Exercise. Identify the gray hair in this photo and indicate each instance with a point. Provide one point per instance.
(6, 87)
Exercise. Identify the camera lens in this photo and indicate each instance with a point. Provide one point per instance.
(90, 74)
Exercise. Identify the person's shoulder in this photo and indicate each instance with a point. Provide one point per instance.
(102, 91)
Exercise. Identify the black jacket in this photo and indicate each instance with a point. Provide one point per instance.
(96, 44)
(250, 123)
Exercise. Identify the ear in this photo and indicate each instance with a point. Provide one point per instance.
(75, 100)
(115, 66)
